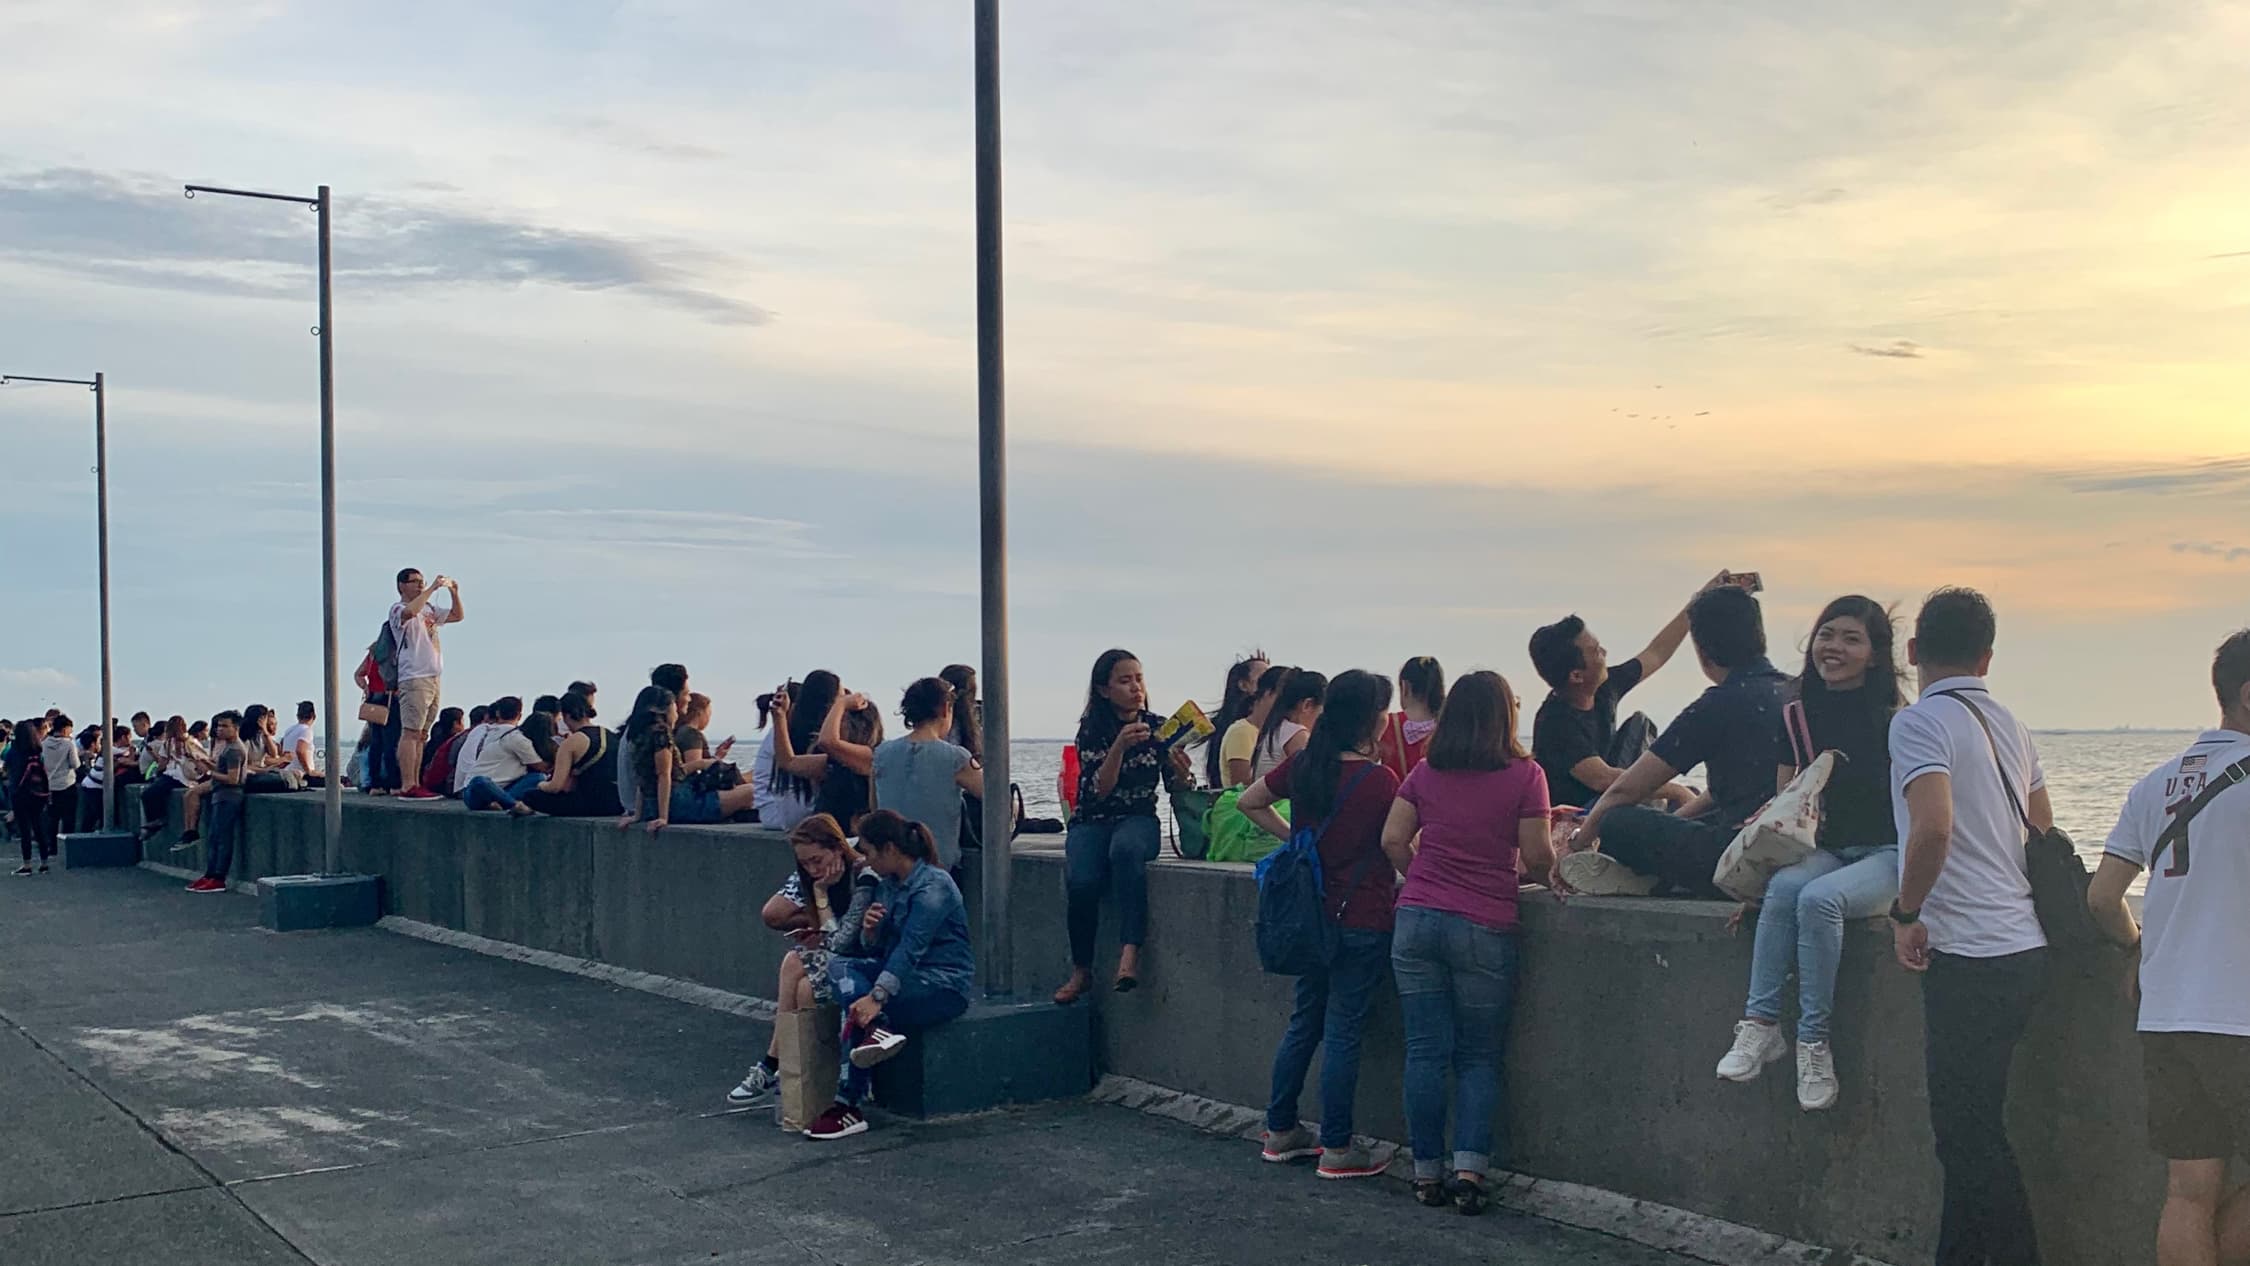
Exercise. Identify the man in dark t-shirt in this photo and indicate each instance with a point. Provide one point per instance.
(1625, 847)
(1575, 737)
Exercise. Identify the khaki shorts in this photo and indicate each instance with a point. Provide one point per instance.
(417, 705)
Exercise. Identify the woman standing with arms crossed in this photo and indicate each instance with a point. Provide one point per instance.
(1113, 836)
(1480, 804)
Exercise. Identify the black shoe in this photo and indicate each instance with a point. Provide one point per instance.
(42, 868)
(1431, 1193)
(1469, 1198)
(24, 869)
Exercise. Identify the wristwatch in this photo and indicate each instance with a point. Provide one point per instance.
(881, 995)
(1903, 917)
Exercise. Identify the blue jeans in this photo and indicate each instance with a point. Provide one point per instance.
(1457, 992)
(218, 842)
(483, 793)
(914, 1010)
(1331, 1008)
(1114, 854)
(1801, 924)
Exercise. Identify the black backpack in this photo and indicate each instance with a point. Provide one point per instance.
(1295, 935)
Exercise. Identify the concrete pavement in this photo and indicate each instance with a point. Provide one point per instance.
(180, 1086)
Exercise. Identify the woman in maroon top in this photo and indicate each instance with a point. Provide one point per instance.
(1337, 787)
(1479, 805)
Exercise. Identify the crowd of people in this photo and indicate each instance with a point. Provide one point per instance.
(1428, 821)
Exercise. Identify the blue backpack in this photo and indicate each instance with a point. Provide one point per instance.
(1295, 935)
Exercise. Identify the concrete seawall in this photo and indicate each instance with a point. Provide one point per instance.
(1625, 1006)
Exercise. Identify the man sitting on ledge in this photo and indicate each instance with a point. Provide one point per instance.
(1730, 730)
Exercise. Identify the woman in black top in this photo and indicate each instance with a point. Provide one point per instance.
(583, 783)
(1845, 698)
(1113, 835)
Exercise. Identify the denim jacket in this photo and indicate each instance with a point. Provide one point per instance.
(923, 939)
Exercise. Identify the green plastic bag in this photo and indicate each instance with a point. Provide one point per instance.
(1189, 808)
(1234, 837)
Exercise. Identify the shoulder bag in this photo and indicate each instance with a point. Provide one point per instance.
(1787, 830)
(2050, 861)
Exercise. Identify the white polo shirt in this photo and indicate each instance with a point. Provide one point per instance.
(2195, 931)
(1981, 905)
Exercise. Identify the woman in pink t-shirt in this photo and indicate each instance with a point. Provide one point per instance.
(1479, 804)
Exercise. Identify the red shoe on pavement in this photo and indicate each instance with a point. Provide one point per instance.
(420, 793)
(207, 884)
(839, 1122)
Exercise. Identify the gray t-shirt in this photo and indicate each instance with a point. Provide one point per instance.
(915, 779)
(229, 759)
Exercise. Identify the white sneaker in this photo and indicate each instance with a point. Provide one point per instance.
(1755, 1046)
(1816, 1076)
(1600, 875)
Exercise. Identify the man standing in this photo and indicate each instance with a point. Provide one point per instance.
(230, 768)
(2188, 825)
(1966, 788)
(1624, 847)
(1575, 737)
(414, 627)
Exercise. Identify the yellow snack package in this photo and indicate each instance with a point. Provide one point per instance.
(1187, 723)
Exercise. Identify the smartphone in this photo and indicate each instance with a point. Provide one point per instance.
(1747, 581)
(727, 740)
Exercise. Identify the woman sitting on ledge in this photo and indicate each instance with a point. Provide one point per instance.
(820, 908)
(583, 783)
(666, 796)
(921, 970)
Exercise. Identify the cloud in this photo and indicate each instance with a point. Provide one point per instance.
(2220, 475)
(2229, 255)
(136, 233)
(37, 679)
(626, 136)
(1896, 349)
(2213, 549)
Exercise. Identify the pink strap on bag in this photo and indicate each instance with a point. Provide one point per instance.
(1800, 732)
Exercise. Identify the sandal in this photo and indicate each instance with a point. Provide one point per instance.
(1072, 990)
(1469, 1197)
(1430, 1192)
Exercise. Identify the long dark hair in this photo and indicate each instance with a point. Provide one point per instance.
(808, 708)
(1234, 704)
(1098, 715)
(1476, 730)
(1426, 678)
(539, 727)
(1357, 704)
(821, 829)
(968, 719)
(1302, 685)
(885, 828)
(648, 729)
(1882, 695)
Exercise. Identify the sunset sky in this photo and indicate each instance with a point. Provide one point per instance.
(1351, 330)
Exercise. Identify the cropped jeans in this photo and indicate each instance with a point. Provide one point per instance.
(1801, 924)
(916, 1008)
(483, 792)
(1457, 992)
(1331, 1010)
(1114, 854)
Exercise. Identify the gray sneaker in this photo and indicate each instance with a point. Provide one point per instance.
(1348, 1162)
(757, 1086)
(1294, 1143)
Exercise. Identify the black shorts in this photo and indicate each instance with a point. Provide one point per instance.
(2198, 1094)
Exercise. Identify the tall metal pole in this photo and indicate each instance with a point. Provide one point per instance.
(101, 537)
(101, 514)
(996, 953)
(332, 791)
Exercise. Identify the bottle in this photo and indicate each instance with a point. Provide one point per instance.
(1066, 782)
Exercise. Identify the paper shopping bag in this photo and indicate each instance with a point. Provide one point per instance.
(810, 1053)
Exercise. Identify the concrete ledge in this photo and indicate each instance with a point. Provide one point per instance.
(301, 903)
(995, 1055)
(90, 850)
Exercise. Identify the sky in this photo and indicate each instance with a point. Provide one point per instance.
(1348, 330)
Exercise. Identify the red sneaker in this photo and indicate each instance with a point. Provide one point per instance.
(207, 884)
(839, 1122)
(420, 793)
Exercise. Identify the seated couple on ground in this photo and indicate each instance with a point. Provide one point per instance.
(880, 931)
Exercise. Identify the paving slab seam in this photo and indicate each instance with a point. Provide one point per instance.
(96, 1204)
(609, 973)
(1692, 1235)
(211, 1180)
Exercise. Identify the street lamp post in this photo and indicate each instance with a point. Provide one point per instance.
(996, 954)
(101, 536)
(333, 788)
